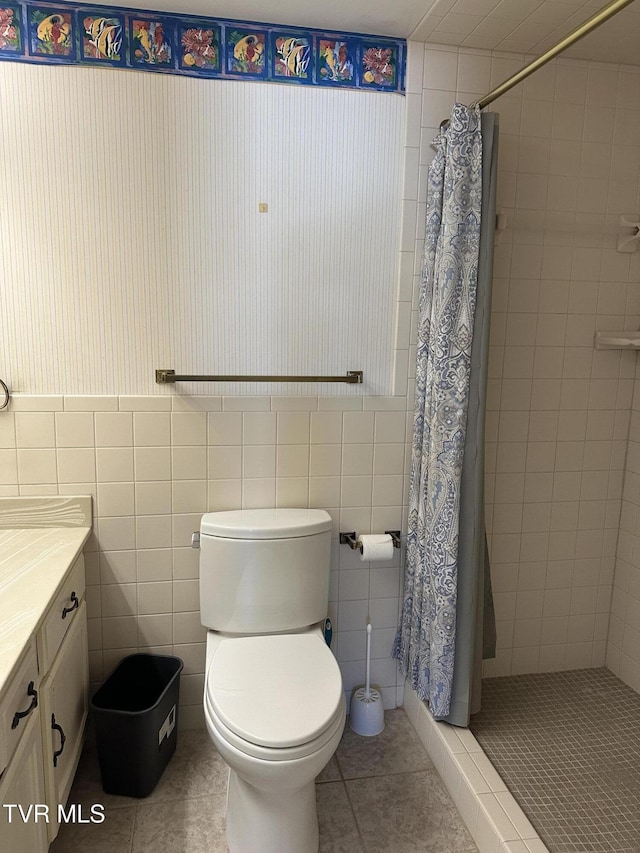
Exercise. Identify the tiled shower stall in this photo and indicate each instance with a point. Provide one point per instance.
(558, 411)
(562, 473)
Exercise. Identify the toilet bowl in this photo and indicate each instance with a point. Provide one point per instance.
(276, 728)
(273, 699)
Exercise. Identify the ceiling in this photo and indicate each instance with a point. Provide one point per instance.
(532, 26)
(521, 26)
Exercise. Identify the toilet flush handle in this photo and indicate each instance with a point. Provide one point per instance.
(195, 539)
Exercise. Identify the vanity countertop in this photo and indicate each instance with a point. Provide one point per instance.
(39, 540)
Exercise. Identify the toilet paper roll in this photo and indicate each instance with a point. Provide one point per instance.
(376, 546)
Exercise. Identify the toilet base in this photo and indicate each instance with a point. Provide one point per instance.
(260, 821)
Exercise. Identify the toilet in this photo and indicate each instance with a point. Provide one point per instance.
(273, 699)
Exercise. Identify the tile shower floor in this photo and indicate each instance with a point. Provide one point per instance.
(377, 795)
(567, 745)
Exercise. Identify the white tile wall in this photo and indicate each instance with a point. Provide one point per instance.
(153, 473)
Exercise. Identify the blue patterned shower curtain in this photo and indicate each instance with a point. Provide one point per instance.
(426, 640)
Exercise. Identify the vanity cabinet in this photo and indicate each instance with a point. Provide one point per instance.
(23, 782)
(65, 692)
(18, 703)
(61, 615)
(43, 711)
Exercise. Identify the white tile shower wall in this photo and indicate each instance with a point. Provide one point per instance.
(558, 412)
(155, 464)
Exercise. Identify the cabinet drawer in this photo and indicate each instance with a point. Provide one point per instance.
(61, 615)
(65, 704)
(20, 699)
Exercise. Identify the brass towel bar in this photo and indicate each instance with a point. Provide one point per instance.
(163, 377)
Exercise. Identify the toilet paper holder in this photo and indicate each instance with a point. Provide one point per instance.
(352, 540)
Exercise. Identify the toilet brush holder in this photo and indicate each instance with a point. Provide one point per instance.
(366, 716)
(367, 712)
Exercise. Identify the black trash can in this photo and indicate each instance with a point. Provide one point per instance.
(135, 714)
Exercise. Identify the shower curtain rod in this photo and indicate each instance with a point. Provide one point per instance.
(584, 29)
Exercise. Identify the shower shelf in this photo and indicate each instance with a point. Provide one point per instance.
(617, 340)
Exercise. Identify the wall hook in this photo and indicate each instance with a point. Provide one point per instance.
(629, 233)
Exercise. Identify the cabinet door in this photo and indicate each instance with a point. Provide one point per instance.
(18, 702)
(22, 783)
(62, 613)
(65, 697)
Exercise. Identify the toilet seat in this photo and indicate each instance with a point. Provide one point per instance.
(274, 693)
(265, 753)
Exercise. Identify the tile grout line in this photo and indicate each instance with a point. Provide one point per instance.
(338, 763)
(384, 775)
(353, 811)
(133, 826)
(355, 818)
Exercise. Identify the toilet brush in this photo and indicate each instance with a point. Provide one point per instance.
(367, 711)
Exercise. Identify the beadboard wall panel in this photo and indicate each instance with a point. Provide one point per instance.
(132, 239)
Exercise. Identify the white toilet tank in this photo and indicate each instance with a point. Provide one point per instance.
(264, 570)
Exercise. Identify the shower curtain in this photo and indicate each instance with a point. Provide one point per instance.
(447, 623)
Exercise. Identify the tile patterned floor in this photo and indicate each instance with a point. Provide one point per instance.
(377, 795)
(567, 745)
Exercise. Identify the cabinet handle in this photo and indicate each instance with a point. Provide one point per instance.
(57, 727)
(31, 691)
(75, 604)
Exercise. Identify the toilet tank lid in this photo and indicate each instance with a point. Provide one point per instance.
(265, 523)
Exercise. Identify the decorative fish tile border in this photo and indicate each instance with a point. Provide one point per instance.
(246, 52)
(52, 33)
(102, 37)
(65, 33)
